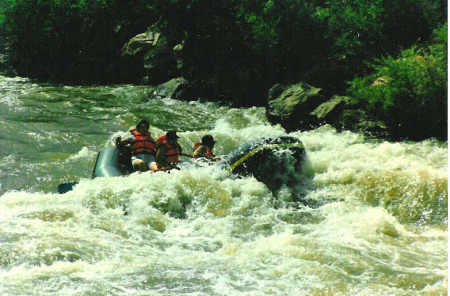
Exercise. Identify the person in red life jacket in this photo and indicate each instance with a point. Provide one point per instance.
(205, 148)
(142, 146)
(168, 152)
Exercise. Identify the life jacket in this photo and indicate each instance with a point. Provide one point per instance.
(208, 152)
(173, 151)
(162, 139)
(142, 143)
(196, 145)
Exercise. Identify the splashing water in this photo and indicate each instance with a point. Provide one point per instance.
(375, 222)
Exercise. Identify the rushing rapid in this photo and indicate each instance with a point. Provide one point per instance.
(364, 217)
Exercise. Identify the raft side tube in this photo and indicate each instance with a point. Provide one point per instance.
(256, 150)
(273, 161)
(107, 163)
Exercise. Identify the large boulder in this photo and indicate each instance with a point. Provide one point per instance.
(344, 113)
(151, 56)
(174, 88)
(181, 89)
(358, 120)
(302, 107)
(330, 111)
(140, 43)
(292, 105)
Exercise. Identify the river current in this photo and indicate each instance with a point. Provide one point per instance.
(375, 223)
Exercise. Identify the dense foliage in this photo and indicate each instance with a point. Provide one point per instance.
(252, 43)
(409, 92)
(264, 41)
(71, 41)
(234, 49)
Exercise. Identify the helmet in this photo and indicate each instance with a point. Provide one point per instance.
(208, 140)
(171, 135)
(143, 122)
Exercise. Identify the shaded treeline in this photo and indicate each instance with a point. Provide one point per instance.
(235, 49)
(71, 41)
(325, 42)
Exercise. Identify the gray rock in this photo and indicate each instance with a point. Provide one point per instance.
(140, 43)
(173, 88)
(331, 110)
(291, 105)
(152, 56)
(358, 120)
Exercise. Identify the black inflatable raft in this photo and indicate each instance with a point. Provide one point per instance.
(274, 161)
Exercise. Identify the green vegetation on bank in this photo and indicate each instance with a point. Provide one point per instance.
(409, 92)
(238, 49)
(242, 46)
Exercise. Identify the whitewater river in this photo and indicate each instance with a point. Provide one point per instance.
(375, 222)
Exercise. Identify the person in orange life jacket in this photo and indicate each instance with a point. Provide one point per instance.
(168, 152)
(205, 148)
(142, 146)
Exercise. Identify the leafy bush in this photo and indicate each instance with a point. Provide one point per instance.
(409, 92)
(361, 30)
